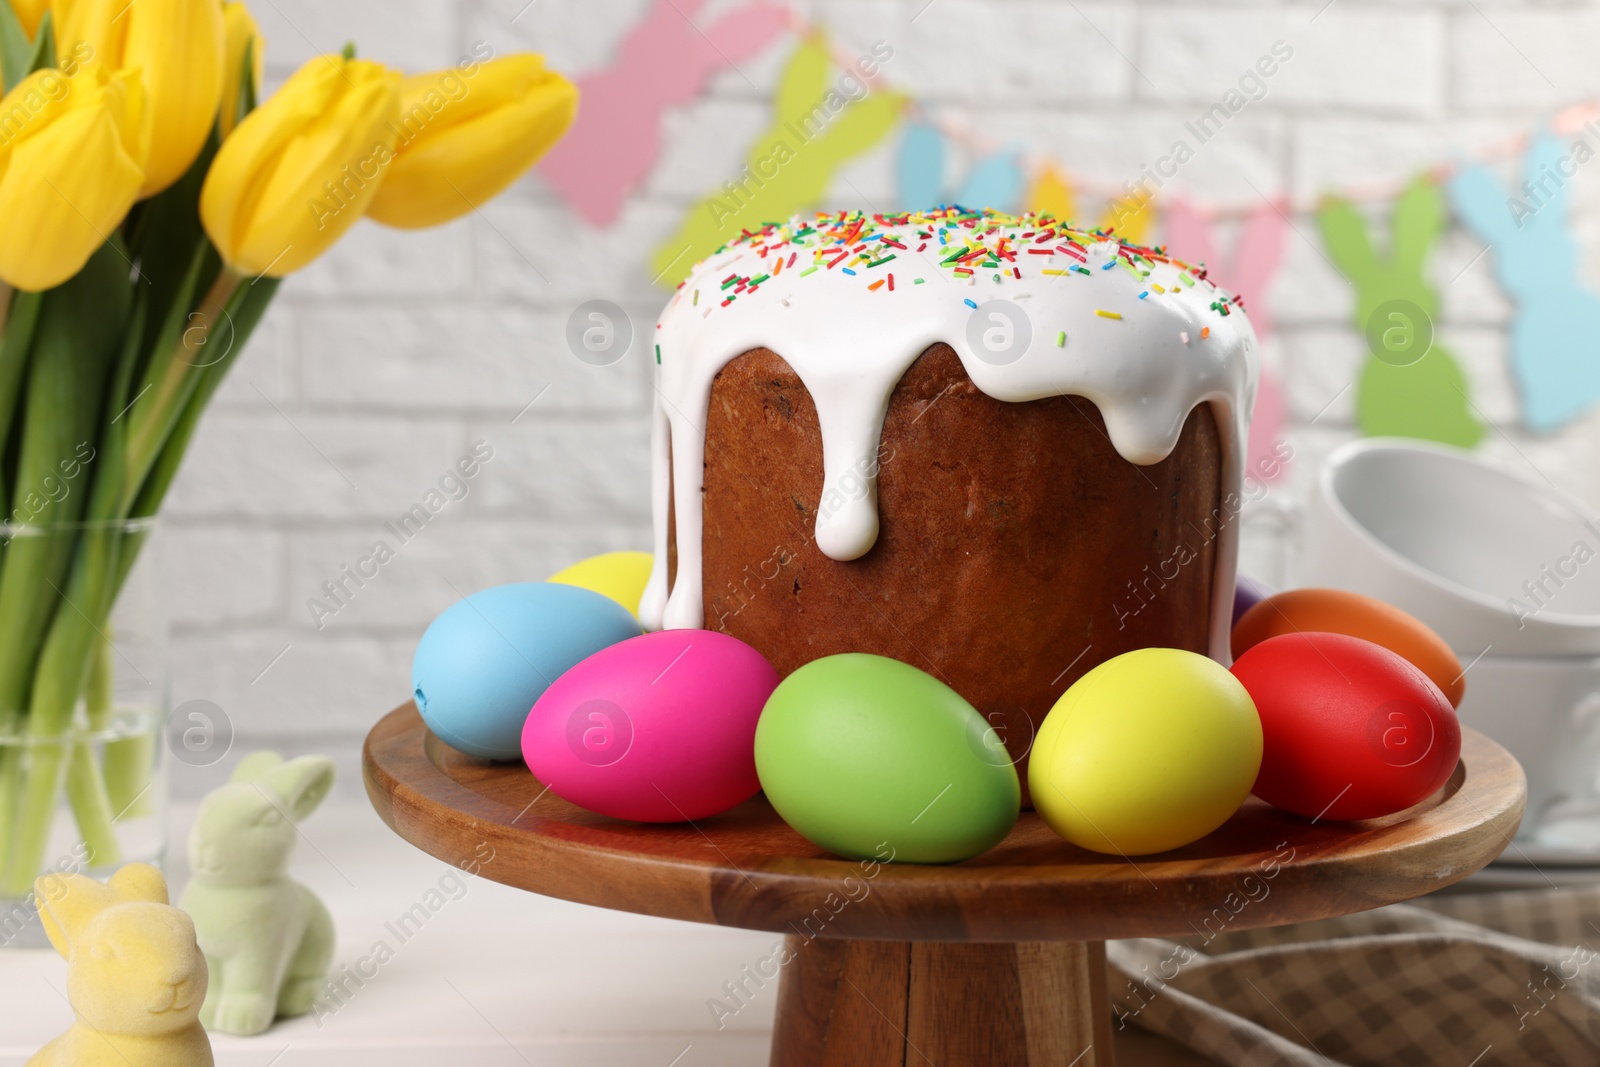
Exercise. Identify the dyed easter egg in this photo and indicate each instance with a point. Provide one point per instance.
(658, 728)
(1338, 611)
(618, 575)
(1149, 751)
(1351, 730)
(866, 756)
(485, 660)
(1247, 593)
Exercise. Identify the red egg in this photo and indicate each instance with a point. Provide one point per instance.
(1350, 730)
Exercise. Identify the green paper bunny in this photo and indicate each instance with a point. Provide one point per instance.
(816, 129)
(267, 940)
(1411, 386)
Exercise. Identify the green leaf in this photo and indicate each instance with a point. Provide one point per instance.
(165, 383)
(250, 303)
(247, 90)
(16, 51)
(44, 45)
(14, 346)
(71, 357)
(164, 239)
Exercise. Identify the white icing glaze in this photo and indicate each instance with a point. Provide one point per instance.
(850, 345)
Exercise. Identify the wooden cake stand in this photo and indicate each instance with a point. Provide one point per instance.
(999, 960)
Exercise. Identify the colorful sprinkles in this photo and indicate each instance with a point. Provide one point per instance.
(954, 240)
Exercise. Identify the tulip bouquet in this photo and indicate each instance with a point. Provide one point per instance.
(148, 210)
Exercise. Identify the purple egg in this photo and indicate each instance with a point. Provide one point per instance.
(1247, 593)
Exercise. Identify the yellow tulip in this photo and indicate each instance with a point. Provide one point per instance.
(302, 167)
(467, 133)
(176, 46)
(29, 12)
(240, 34)
(71, 155)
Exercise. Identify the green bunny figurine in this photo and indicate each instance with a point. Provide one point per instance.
(267, 939)
(1411, 386)
(135, 977)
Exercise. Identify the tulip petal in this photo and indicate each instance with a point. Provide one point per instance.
(300, 170)
(29, 13)
(468, 151)
(62, 196)
(177, 45)
(231, 189)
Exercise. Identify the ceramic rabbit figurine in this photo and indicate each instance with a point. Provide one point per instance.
(1401, 395)
(267, 939)
(135, 975)
(1536, 263)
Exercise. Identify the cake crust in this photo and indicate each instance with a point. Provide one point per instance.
(1017, 548)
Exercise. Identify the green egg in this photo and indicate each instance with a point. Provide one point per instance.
(868, 757)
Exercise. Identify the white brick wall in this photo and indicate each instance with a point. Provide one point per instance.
(383, 362)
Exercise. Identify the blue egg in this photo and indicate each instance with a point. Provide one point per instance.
(485, 660)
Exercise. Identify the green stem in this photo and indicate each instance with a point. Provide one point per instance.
(92, 808)
(63, 668)
(128, 761)
(80, 328)
(11, 767)
(19, 316)
(175, 379)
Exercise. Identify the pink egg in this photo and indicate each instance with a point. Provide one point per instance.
(658, 728)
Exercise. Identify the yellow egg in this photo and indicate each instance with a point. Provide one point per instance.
(1147, 752)
(618, 575)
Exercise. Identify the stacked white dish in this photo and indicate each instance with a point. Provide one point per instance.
(1507, 570)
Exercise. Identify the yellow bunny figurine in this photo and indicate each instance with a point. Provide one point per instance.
(135, 975)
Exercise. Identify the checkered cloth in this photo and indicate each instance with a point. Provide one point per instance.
(1465, 981)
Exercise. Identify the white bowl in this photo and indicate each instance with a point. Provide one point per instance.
(1490, 560)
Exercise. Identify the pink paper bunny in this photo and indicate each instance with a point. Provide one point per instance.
(1255, 261)
(664, 60)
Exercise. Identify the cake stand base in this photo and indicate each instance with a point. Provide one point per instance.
(955, 1004)
(998, 960)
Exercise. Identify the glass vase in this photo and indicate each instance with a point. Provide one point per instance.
(83, 707)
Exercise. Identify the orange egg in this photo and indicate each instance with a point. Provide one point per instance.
(1339, 612)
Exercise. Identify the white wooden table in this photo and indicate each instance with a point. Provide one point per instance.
(493, 976)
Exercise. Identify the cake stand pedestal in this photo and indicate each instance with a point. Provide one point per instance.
(999, 960)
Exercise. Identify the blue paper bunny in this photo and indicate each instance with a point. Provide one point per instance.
(994, 181)
(1555, 336)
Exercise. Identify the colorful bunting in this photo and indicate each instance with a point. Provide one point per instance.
(1536, 262)
(1411, 386)
(816, 130)
(1050, 194)
(995, 181)
(663, 61)
(1249, 272)
(1132, 217)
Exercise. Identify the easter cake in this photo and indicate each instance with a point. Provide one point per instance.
(994, 447)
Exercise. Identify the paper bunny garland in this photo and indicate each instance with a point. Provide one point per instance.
(825, 116)
(1250, 272)
(135, 976)
(819, 125)
(1132, 217)
(663, 61)
(1410, 385)
(994, 181)
(1555, 336)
